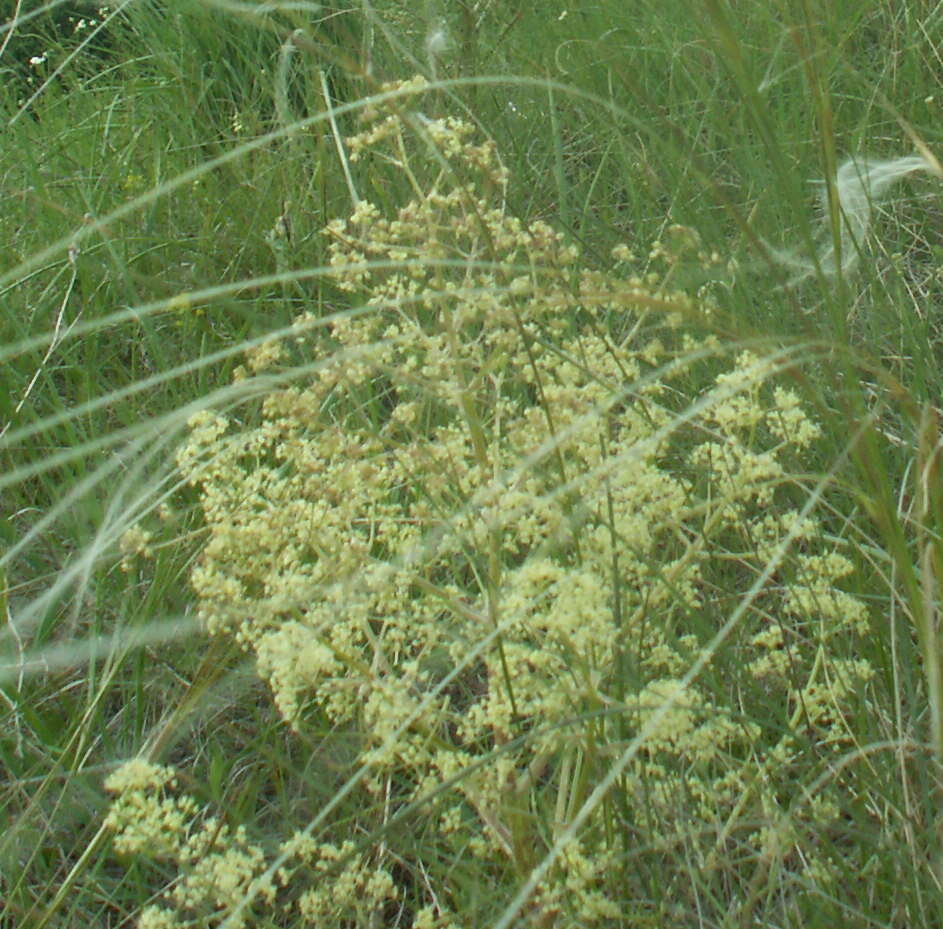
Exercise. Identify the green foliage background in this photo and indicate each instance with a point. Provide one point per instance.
(151, 164)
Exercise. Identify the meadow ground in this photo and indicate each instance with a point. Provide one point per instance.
(471, 465)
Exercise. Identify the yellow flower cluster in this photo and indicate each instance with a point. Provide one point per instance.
(486, 535)
(219, 867)
(134, 543)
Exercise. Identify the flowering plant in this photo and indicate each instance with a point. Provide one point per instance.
(492, 535)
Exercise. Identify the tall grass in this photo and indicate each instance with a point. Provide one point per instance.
(526, 516)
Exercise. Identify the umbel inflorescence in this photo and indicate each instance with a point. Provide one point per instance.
(490, 535)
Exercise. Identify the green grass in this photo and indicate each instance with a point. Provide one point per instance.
(147, 190)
